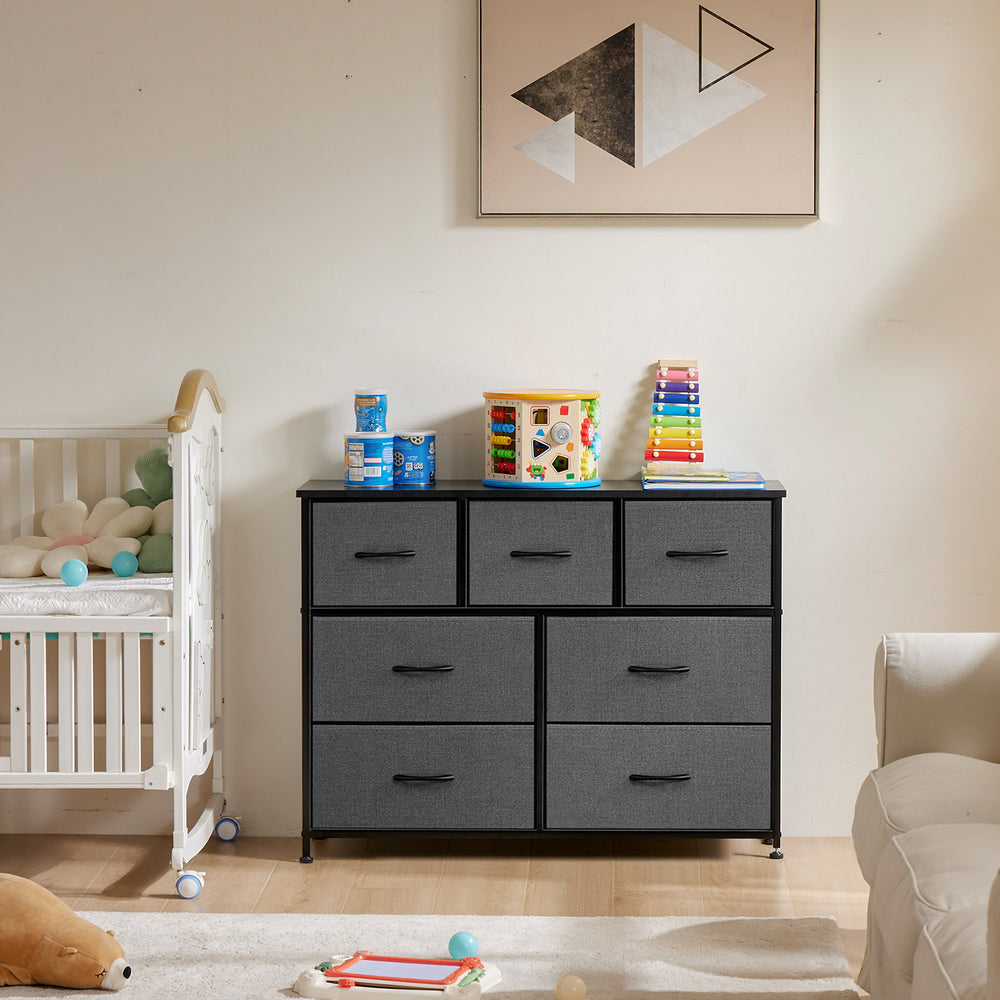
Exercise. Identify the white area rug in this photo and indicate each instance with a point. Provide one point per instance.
(215, 956)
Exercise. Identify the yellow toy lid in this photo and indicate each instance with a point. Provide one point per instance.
(538, 394)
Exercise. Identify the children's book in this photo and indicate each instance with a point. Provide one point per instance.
(732, 481)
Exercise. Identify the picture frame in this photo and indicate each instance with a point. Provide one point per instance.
(647, 108)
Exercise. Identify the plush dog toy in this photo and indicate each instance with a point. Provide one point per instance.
(43, 942)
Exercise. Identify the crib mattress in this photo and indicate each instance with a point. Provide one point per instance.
(142, 595)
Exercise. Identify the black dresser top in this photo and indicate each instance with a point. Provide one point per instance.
(327, 489)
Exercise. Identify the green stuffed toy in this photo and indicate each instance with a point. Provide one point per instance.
(156, 553)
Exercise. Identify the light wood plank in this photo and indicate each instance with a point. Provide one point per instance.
(487, 877)
(572, 876)
(653, 876)
(398, 875)
(321, 887)
(743, 881)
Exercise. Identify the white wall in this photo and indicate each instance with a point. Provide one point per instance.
(284, 193)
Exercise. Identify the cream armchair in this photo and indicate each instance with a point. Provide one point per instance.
(927, 820)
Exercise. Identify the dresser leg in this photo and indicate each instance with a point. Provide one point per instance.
(306, 858)
(775, 840)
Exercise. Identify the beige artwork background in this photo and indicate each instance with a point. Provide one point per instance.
(761, 161)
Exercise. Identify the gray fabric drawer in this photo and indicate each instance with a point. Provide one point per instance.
(588, 785)
(369, 669)
(428, 529)
(536, 530)
(353, 785)
(728, 675)
(740, 529)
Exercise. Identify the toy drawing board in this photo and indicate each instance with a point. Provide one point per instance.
(365, 976)
(429, 973)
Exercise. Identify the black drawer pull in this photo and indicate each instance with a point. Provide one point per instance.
(423, 777)
(557, 554)
(400, 554)
(659, 777)
(659, 670)
(405, 668)
(696, 553)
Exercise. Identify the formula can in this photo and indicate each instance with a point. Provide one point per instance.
(370, 407)
(413, 458)
(368, 459)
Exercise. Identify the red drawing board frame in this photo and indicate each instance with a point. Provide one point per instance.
(362, 968)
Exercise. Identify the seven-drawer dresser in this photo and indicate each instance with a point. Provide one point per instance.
(503, 661)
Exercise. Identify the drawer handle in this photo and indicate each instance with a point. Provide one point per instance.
(659, 777)
(423, 777)
(659, 670)
(696, 553)
(529, 554)
(405, 668)
(400, 554)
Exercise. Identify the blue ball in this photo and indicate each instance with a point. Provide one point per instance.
(124, 563)
(462, 945)
(73, 572)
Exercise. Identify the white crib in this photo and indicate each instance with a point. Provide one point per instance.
(157, 724)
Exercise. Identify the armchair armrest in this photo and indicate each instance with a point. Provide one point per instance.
(993, 943)
(938, 692)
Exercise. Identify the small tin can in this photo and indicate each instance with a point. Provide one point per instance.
(413, 458)
(370, 406)
(368, 459)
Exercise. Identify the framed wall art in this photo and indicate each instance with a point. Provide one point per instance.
(647, 107)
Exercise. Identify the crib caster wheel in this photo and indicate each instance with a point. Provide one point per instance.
(189, 884)
(227, 829)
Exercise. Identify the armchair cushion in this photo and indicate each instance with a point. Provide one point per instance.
(926, 874)
(950, 960)
(922, 790)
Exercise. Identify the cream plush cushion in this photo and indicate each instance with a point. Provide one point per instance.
(937, 691)
(926, 874)
(993, 942)
(922, 790)
(950, 960)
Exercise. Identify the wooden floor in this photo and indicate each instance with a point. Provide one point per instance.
(572, 877)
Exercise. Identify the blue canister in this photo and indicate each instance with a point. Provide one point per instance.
(370, 407)
(413, 458)
(368, 459)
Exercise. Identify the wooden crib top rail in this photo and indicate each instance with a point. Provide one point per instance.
(197, 381)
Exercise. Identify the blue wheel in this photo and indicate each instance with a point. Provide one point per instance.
(227, 828)
(189, 884)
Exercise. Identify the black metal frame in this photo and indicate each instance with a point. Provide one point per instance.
(461, 492)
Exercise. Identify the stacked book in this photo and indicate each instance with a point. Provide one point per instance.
(681, 476)
(675, 423)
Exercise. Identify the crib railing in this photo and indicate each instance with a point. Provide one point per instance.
(63, 753)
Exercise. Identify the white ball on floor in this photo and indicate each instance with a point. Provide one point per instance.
(571, 988)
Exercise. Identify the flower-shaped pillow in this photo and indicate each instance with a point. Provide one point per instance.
(72, 532)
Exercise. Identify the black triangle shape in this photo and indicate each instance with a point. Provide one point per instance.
(702, 86)
(538, 447)
(599, 86)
